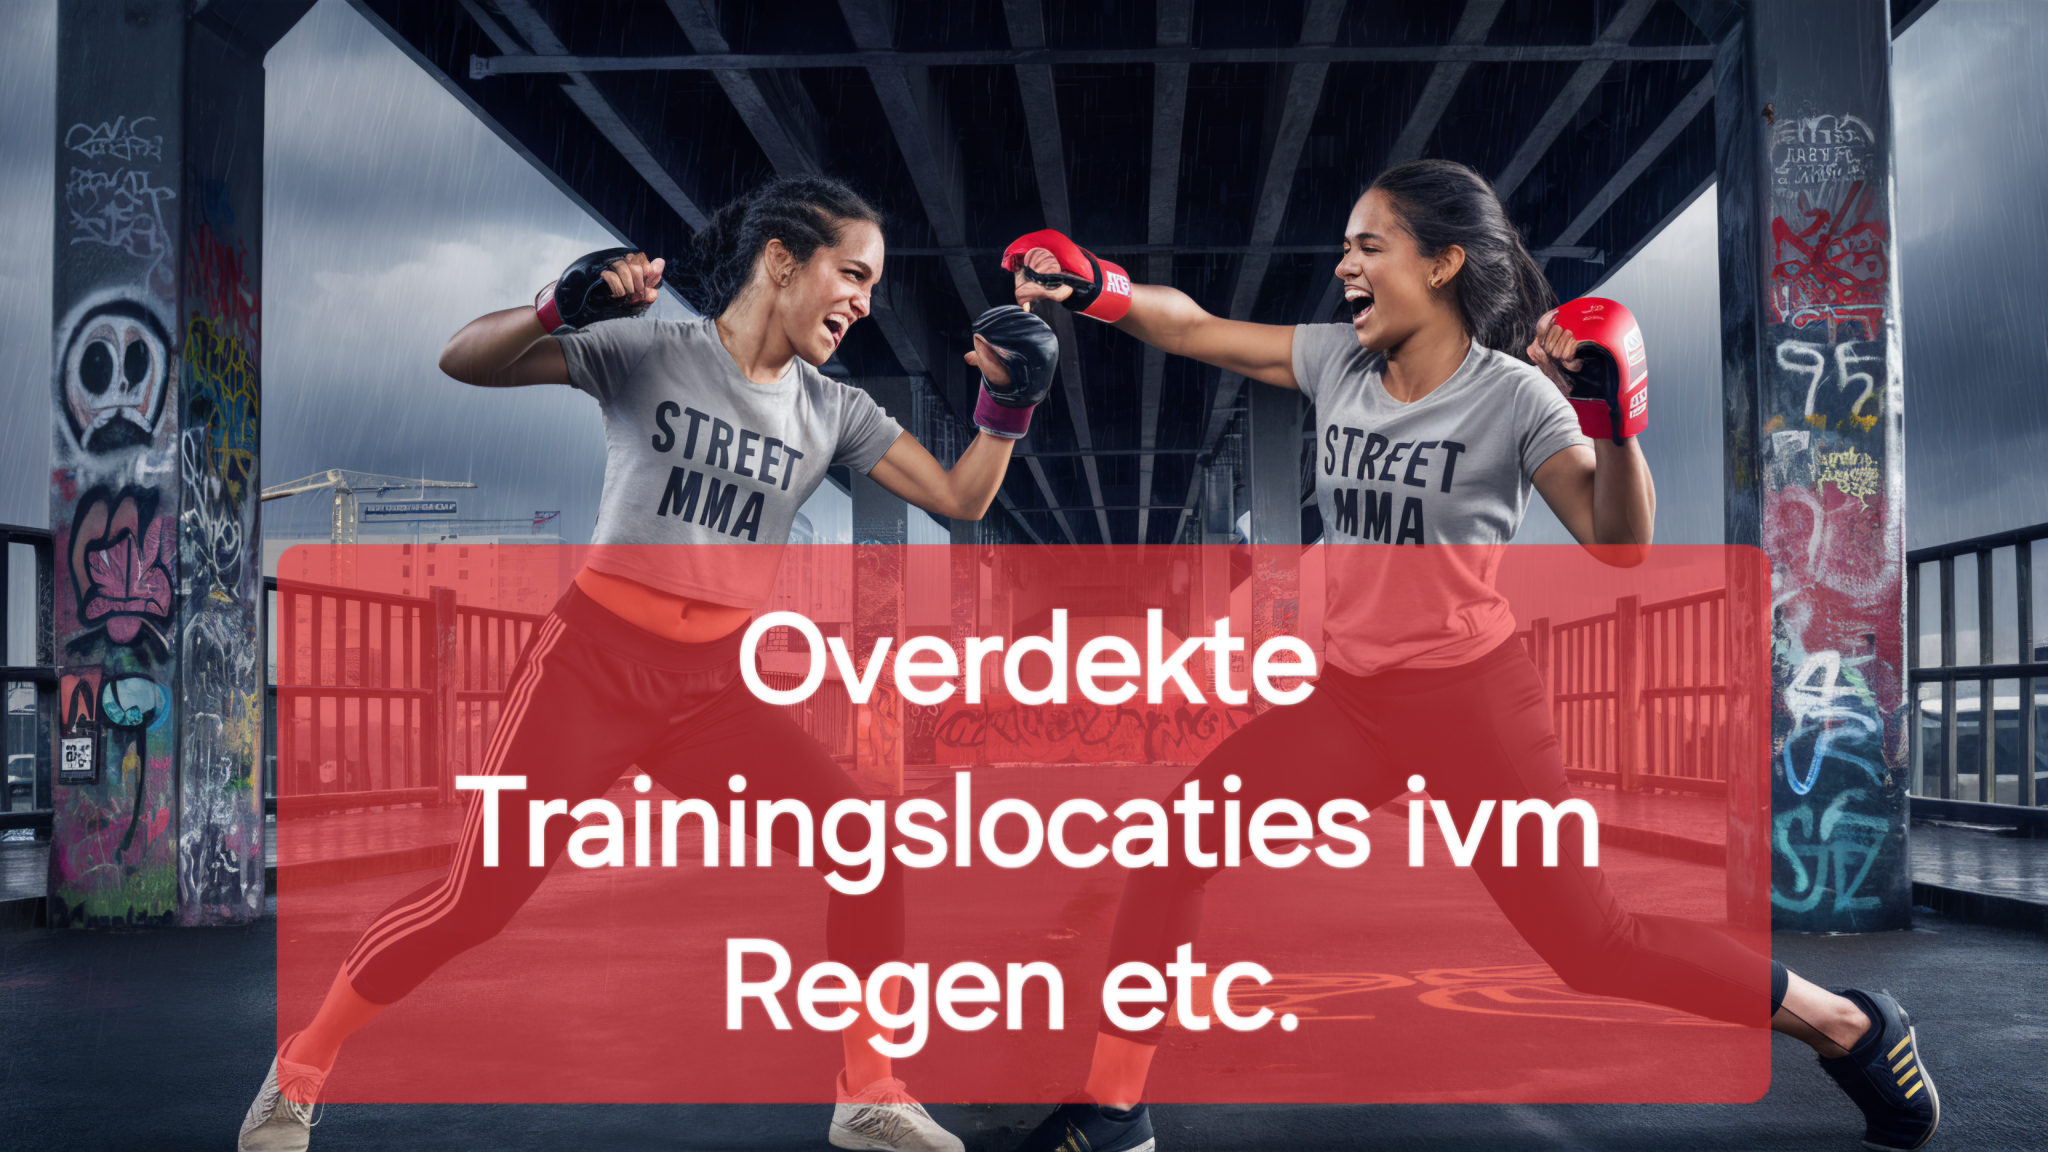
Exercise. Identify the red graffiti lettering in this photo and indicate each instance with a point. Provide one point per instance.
(220, 281)
(1832, 266)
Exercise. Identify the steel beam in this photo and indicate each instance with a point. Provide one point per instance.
(774, 105)
(1026, 21)
(507, 65)
(919, 121)
(1298, 89)
(1473, 25)
(922, 136)
(1174, 22)
(1568, 102)
(1690, 107)
(528, 23)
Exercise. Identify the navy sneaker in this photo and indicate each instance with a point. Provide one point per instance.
(1081, 1125)
(1886, 1077)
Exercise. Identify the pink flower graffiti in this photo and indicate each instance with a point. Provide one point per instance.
(122, 565)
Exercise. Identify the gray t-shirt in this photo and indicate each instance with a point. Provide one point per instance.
(698, 454)
(1455, 467)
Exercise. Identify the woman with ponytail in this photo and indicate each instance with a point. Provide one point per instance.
(638, 664)
(1453, 392)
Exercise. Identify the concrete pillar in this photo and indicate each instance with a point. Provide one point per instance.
(1815, 457)
(1273, 491)
(964, 581)
(881, 532)
(1212, 580)
(159, 818)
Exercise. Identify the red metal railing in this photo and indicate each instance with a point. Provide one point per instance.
(488, 643)
(357, 721)
(1639, 694)
(1684, 692)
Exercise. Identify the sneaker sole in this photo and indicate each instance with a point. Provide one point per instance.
(855, 1142)
(1933, 1094)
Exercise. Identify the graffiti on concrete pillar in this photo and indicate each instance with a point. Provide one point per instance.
(1831, 853)
(220, 666)
(116, 605)
(1832, 526)
(117, 199)
(114, 510)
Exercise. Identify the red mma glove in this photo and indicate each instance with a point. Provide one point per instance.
(1101, 289)
(1611, 389)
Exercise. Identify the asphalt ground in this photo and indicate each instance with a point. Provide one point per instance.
(158, 1039)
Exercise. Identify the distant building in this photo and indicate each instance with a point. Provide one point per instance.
(508, 572)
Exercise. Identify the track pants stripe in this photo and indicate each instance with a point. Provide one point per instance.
(399, 923)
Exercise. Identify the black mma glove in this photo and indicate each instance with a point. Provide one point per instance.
(580, 297)
(1030, 353)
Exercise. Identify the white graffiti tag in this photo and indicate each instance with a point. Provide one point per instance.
(1842, 840)
(1830, 711)
(119, 138)
(1811, 359)
(121, 210)
(1809, 150)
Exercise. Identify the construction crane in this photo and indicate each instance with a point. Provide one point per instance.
(345, 484)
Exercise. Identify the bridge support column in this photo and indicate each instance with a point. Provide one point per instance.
(1814, 448)
(1273, 491)
(881, 532)
(159, 803)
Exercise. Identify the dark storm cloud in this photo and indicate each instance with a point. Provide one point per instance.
(1674, 294)
(394, 218)
(28, 109)
(1969, 89)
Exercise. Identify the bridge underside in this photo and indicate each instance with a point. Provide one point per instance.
(1209, 144)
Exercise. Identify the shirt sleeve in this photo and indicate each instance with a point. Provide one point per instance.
(1321, 353)
(602, 357)
(865, 431)
(1549, 424)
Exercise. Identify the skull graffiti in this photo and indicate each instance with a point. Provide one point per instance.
(115, 371)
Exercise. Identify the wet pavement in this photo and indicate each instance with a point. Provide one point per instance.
(157, 1039)
(1980, 859)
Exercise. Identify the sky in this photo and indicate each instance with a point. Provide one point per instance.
(393, 217)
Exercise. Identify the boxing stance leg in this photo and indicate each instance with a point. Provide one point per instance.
(783, 762)
(576, 715)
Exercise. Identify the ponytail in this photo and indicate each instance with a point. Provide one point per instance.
(806, 213)
(1500, 291)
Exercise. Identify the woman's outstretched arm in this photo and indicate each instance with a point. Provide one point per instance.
(1170, 320)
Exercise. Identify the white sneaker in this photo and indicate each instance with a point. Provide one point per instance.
(883, 1118)
(276, 1122)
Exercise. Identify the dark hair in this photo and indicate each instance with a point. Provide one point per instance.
(806, 213)
(1500, 291)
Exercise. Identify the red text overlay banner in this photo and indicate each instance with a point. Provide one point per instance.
(1181, 813)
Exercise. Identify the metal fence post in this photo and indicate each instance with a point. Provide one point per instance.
(1949, 783)
(1987, 704)
(443, 719)
(2023, 583)
(1916, 740)
(1628, 685)
(1746, 670)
